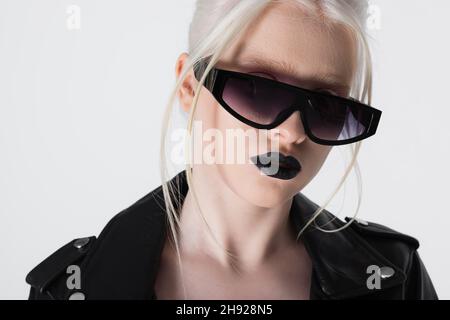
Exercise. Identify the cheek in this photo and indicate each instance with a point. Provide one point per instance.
(314, 157)
(222, 134)
(206, 110)
(214, 116)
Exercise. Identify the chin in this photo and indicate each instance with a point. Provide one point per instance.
(265, 198)
(260, 190)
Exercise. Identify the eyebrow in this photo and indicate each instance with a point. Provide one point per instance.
(275, 67)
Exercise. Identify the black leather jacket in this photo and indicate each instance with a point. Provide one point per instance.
(123, 261)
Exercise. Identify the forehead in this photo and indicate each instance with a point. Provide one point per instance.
(296, 44)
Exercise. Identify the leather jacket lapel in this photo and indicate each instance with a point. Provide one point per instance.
(125, 263)
(340, 259)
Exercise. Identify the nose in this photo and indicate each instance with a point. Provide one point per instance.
(291, 131)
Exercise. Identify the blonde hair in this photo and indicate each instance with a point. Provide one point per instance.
(215, 24)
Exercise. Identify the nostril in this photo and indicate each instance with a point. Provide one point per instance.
(292, 129)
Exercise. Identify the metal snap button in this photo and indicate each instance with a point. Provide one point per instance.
(80, 243)
(386, 272)
(361, 221)
(77, 296)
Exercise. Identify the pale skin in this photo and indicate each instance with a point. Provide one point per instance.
(248, 212)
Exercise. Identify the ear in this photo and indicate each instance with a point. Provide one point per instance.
(186, 92)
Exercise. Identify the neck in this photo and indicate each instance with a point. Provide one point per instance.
(252, 234)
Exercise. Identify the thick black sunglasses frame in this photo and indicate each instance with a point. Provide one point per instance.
(215, 83)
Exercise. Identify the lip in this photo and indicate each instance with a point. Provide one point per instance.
(277, 165)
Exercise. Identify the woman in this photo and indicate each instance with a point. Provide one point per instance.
(293, 77)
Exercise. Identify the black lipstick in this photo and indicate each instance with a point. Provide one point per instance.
(277, 165)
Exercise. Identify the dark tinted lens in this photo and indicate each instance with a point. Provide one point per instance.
(335, 119)
(256, 100)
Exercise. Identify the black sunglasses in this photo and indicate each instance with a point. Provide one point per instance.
(264, 103)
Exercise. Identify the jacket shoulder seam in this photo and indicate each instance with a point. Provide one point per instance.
(42, 275)
(376, 229)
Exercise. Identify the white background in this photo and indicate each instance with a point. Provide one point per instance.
(80, 120)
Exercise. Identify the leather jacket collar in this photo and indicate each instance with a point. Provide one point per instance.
(130, 252)
(122, 263)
